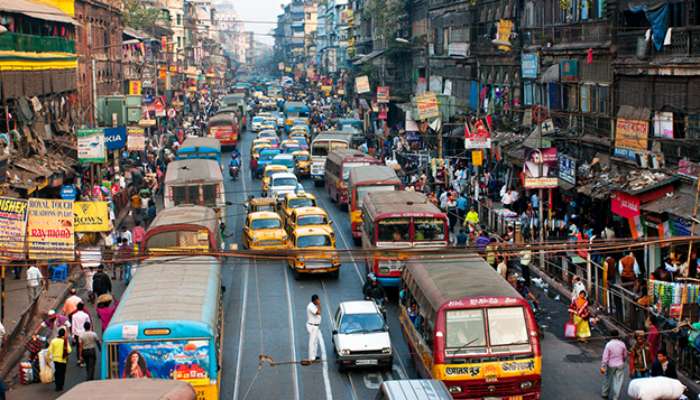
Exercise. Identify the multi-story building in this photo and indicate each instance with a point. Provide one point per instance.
(176, 19)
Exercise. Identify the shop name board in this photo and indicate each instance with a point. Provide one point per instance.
(631, 137)
(624, 205)
(362, 84)
(115, 138)
(91, 145)
(540, 169)
(383, 94)
(427, 106)
(529, 64)
(567, 169)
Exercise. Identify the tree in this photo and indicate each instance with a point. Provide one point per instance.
(138, 16)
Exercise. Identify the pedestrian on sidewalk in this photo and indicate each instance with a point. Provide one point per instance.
(54, 321)
(580, 315)
(35, 281)
(88, 346)
(653, 336)
(71, 304)
(101, 283)
(525, 260)
(80, 317)
(2, 336)
(664, 366)
(613, 366)
(59, 349)
(640, 357)
(313, 324)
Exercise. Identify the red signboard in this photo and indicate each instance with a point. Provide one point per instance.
(624, 205)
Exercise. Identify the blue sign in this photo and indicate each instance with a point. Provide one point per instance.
(530, 65)
(567, 169)
(69, 192)
(115, 138)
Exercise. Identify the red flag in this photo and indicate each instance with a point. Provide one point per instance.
(589, 56)
(489, 122)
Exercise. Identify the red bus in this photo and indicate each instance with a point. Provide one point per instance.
(468, 327)
(399, 220)
(223, 127)
(184, 228)
(363, 180)
(337, 171)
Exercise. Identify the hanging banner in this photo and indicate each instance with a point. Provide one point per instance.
(383, 94)
(529, 65)
(91, 145)
(50, 229)
(159, 107)
(136, 139)
(477, 158)
(477, 137)
(13, 224)
(504, 28)
(362, 84)
(427, 106)
(631, 137)
(135, 87)
(115, 138)
(91, 216)
(540, 169)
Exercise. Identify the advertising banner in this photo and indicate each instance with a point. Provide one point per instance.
(427, 106)
(540, 169)
(631, 137)
(478, 137)
(13, 224)
(529, 64)
(504, 28)
(50, 229)
(362, 84)
(136, 140)
(624, 205)
(135, 87)
(91, 145)
(91, 216)
(180, 360)
(383, 94)
(115, 138)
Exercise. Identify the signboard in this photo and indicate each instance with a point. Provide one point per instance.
(427, 106)
(504, 28)
(135, 87)
(478, 137)
(50, 229)
(663, 125)
(540, 169)
(458, 49)
(477, 158)
(567, 169)
(115, 138)
(327, 89)
(69, 192)
(530, 65)
(183, 360)
(383, 94)
(569, 70)
(91, 216)
(624, 205)
(435, 84)
(13, 224)
(136, 140)
(631, 137)
(159, 107)
(91, 145)
(362, 84)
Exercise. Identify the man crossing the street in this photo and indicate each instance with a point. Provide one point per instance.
(313, 326)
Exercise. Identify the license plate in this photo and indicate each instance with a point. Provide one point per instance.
(366, 362)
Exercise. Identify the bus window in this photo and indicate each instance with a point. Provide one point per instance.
(508, 330)
(394, 230)
(320, 149)
(209, 192)
(350, 165)
(465, 332)
(429, 229)
(185, 195)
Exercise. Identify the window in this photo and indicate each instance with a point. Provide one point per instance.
(179, 42)
(508, 330)
(210, 195)
(585, 93)
(528, 93)
(428, 229)
(179, 20)
(313, 241)
(266, 223)
(464, 333)
(361, 323)
(603, 93)
(311, 220)
(394, 230)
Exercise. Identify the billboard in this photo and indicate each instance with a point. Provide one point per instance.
(91, 216)
(13, 224)
(540, 169)
(184, 360)
(50, 229)
(91, 145)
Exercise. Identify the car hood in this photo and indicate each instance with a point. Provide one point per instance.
(363, 341)
(268, 234)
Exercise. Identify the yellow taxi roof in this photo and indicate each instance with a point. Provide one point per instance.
(261, 201)
(307, 195)
(313, 230)
(310, 211)
(270, 167)
(264, 215)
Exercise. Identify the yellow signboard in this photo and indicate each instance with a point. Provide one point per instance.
(135, 87)
(91, 216)
(13, 222)
(427, 106)
(50, 229)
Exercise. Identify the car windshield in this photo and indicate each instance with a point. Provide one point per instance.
(394, 230)
(266, 223)
(507, 330)
(311, 220)
(258, 119)
(284, 182)
(465, 333)
(428, 229)
(301, 202)
(361, 323)
(313, 241)
(303, 157)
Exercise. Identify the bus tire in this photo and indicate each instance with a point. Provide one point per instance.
(296, 274)
(334, 274)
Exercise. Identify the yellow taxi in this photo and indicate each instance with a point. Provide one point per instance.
(255, 150)
(308, 217)
(295, 200)
(298, 133)
(267, 173)
(256, 204)
(302, 159)
(315, 252)
(263, 231)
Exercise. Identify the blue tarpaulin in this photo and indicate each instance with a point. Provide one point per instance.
(658, 18)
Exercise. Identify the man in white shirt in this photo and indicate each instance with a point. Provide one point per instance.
(313, 326)
(2, 336)
(78, 320)
(34, 283)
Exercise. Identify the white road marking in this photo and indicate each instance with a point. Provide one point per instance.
(244, 306)
(326, 379)
(291, 333)
(373, 380)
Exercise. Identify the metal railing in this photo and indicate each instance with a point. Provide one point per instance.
(12, 41)
(583, 32)
(685, 41)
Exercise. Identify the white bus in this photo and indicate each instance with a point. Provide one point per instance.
(321, 145)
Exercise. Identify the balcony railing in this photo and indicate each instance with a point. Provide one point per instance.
(10, 41)
(685, 41)
(580, 33)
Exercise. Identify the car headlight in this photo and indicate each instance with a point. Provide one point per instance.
(386, 350)
(344, 352)
(526, 385)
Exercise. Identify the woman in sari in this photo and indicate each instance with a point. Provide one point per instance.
(580, 316)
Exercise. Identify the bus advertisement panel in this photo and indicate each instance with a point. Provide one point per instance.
(182, 360)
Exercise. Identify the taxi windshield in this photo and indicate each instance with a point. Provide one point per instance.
(313, 241)
(301, 202)
(303, 157)
(311, 220)
(284, 182)
(266, 223)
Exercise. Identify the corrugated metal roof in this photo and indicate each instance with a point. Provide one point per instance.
(186, 214)
(36, 10)
(397, 202)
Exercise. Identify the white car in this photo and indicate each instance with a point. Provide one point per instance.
(257, 123)
(282, 183)
(361, 336)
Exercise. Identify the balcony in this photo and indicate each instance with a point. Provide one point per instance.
(579, 35)
(10, 41)
(685, 42)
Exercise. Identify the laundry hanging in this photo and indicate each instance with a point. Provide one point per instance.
(657, 16)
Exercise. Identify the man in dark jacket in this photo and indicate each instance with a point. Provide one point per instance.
(663, 366)
(101, 283)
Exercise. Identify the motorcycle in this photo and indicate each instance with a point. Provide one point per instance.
(233, 171)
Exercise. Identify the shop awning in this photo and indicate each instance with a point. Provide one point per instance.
(36, 10)
(369, 57)
(679, 204)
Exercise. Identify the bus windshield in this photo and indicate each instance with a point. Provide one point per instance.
(394, 230)
(363, 190)
(508, 330)
(266, 223)
(313, 241)
(311, 220)
(428, 229)
(465, 332)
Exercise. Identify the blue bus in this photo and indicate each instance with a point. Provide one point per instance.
(200, 147)
(169, 325)
(295, 110)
